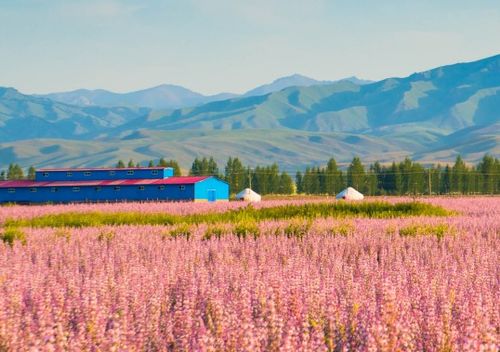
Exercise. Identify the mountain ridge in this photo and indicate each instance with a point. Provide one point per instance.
(429, 115)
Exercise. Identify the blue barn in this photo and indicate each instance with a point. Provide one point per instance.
(112, 185)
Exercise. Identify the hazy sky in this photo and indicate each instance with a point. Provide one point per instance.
(233, 45)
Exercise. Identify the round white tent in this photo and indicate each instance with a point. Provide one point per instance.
(350, 194)
(248, 195)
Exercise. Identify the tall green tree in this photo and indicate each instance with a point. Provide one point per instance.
(333, 178)
(31, 173)
(171, 163)
(234, 173)
(487, 169)
(15, 172)
(285, 184)
(356, 175)
(459, 175)
(131, 163)
(299, 182)
(120, 164)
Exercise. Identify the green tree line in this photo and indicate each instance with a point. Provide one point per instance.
(404, 178)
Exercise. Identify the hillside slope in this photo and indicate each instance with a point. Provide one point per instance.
(431, 116)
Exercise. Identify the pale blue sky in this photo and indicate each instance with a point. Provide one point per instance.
(233, 45)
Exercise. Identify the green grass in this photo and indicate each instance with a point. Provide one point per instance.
(417, 230)
(11, 234)
(242, 215)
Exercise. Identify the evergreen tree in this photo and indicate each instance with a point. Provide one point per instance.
(356, 175)
(31, 173)
(151, 163)
(235, 174)
(131, 163)
(120, 164)
(162, 162)
(445, 186)
(487, 169)
(299, 182)
(371, 181)
(307, 181)
(405, 169)
(286, 184)
(2, 175)
(174, 165)
(459, 176)
(15, 172)
(212, 168)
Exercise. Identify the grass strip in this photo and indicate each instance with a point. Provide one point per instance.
(308, 211)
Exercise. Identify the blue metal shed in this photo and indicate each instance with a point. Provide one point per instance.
(109, 185)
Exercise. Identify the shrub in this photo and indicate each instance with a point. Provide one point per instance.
(245, 229)
(11, 234)
(182, 230)
(105, 235)
(298, 228)
(414, 230)
(342, 229)
(62, 233)
(216, 231)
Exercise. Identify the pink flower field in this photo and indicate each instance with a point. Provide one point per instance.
(347, 285)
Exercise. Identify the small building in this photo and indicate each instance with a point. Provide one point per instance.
(249, 195)
(112, 185)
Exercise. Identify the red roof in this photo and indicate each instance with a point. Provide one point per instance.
(69, 169)
(176, 180)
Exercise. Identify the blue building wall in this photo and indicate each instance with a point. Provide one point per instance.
(103, 174)
(211, 189)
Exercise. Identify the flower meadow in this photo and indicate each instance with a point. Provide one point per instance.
(326, 284)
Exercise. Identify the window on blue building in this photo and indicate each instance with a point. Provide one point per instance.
(33, 189)
(54, 189)
(182, 188)
(45, 174)
(87, 173)
(11, 190)
(130, 172)
(117, 188)
(69, 174)
(142, 188)
(161, 188)
(76, 189)
(154, 172)
(98, 188)
(111, 173)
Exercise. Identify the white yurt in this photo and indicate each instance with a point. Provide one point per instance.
(248, 195)
(350, 194)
